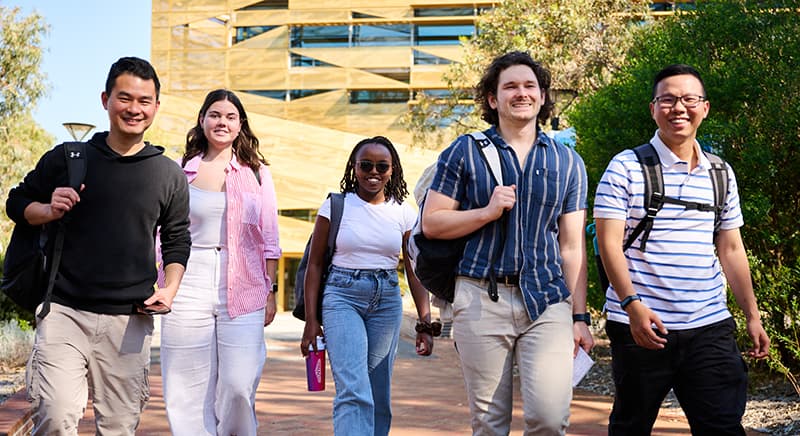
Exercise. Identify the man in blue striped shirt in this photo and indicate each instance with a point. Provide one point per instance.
(668, 321)
(528, 231)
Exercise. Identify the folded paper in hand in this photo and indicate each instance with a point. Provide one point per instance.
(581, 366)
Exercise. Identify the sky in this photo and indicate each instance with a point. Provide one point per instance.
(85, 37)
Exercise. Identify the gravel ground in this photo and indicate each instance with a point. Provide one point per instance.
(773, 408)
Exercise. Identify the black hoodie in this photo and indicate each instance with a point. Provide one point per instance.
(108, 262)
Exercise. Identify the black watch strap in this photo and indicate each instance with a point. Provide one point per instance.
(585, 317)
(274, 288)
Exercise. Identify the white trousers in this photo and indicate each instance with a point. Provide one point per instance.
(211, 364)
(491, 336)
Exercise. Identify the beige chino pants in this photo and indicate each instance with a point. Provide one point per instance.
(76, 351)
(491, 337)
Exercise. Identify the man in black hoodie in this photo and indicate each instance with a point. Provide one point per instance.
(94, 329)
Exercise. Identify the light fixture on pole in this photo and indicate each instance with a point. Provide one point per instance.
(78, 130)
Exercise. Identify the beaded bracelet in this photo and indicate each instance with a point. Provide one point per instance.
(432, 328)
(628, 300)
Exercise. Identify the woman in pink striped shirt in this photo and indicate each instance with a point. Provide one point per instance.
(212, 344)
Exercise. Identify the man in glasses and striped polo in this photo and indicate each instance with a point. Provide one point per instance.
(668, 320)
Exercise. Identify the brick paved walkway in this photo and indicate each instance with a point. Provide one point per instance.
(428, 395)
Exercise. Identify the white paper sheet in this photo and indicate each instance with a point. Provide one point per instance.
(581, 366)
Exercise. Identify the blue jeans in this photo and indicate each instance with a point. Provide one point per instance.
(362, 311)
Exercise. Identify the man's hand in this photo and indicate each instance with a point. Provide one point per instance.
(163, 295)
(642, 319)
(583, 337)
(503, 199)
(62, 201)
(759, 337)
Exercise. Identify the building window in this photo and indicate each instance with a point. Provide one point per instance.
(277, 94)
(299, 60)
(358, 15)
(444, 12)
(399, 74)
(296, 94)
(441, 34)
(243, 33)
(421, 58)
(379, 96)
(320, 36)
(266, 4)
(382, 35)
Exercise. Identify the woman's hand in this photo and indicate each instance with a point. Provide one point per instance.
(424, 344)
(271, 309)
(310, 333)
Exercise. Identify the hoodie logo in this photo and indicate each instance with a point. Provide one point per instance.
(74, 154)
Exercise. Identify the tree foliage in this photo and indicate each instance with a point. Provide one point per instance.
(582, 42)
(22, 84)
(748, 52)
(21, 81)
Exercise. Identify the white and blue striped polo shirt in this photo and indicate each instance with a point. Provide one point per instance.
(679, 276)
(551, 183)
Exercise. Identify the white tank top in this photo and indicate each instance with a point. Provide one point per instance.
(207, 218)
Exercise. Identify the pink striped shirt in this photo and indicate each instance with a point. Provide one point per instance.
(252, 237)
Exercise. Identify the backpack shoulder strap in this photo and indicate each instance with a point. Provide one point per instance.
(75, 154)
(719, 181)
(337, 209)
(491, 156)
(653, 193)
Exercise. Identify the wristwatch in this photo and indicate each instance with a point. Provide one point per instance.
(585, 317)
(274, 288)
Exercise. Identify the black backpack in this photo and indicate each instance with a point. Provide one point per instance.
(299, 312)
(34, 252)
(654, 198)
(435, 261)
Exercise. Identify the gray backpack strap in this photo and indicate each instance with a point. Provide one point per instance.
(653, 193)
(719, 181)
(490, 154)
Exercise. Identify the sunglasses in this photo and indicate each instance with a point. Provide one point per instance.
(367, 166)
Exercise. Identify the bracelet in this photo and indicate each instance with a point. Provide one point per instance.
(432, 328)
(628, 300)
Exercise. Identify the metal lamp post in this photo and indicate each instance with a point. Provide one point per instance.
(78, 130)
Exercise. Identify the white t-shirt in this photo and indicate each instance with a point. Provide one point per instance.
(370, 235)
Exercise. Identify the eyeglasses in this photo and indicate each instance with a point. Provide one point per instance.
(367, 166)
(689, 101)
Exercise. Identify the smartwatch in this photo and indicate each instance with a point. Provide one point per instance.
(274, 288)
(585, 317)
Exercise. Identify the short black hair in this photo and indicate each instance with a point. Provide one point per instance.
(677, 70)
(489, 82)
(132, 65)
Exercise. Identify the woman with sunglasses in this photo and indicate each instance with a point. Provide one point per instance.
(212, 344)
(362, 309)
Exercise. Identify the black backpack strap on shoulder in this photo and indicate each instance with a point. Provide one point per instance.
(719, 181)
(653, 193)
(337, 209)
(75, 155)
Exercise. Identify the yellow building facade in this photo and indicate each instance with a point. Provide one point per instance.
(315, 76)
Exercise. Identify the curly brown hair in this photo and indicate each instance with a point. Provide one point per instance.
(395, 189)
(489, 82)
(245, 146)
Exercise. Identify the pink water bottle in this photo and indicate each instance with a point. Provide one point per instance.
(315, 366)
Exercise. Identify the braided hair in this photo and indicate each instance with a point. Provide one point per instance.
(395, 188)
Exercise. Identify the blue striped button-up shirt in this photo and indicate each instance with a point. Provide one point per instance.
(551, 183)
